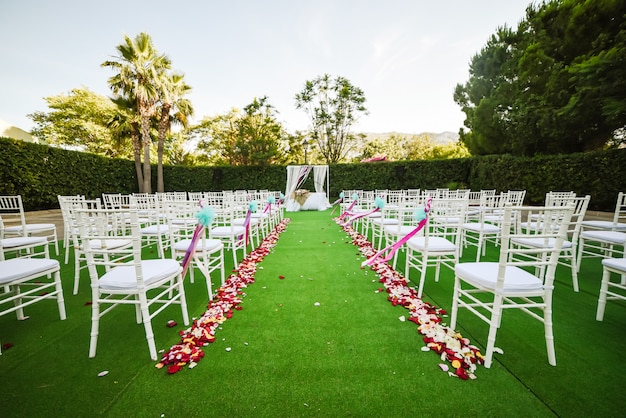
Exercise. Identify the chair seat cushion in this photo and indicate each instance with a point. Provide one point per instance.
(208, 245)
(17, 268)
(485, 274)
(484, 227)
(109, 244)
(30, 228)
(242, 221)
(14, 242)
(385, 221)
(615, 263)
(227, 231)
(612, 237)
(400, 231)
(540, 243)
(154, 272)
(605, 225)
(184, 222)
(156, 229)
(435, 244)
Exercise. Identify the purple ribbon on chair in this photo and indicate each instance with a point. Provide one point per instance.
(205, 218)
(391, 249)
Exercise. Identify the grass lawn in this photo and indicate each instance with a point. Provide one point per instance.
(319, 342)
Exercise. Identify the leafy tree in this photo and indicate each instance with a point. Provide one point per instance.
(333, 106)
(216, 137)
(251, 136)
(139, 70)
(79, 120)
(391, 147)
(555, 85)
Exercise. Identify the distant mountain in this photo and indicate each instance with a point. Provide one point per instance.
(437, 138)
(10, 131)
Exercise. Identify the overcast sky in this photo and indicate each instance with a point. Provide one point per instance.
(406, 55)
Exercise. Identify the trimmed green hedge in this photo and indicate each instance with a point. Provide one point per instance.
(39, 173)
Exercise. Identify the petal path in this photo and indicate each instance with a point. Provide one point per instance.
(450, 345)
(228, 297)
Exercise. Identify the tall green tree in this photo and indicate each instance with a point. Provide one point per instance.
(79, 120)
(175, 108)
(333, 106)
(252, 136)
(139, 70)
(126, 123)
(554, 85)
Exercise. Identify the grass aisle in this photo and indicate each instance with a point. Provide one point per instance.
(349, 356)
(320, 342)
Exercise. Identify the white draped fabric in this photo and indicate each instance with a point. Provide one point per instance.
(296, 176)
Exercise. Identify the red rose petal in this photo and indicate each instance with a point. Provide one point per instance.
(173, 368)
(281, 277)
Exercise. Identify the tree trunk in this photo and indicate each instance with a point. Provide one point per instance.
(145, 137)
(163, 128)
(137, 154)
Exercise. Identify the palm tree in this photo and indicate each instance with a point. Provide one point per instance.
(139, 71)
(172, 91)
(126, 123)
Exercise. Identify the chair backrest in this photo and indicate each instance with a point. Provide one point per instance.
(619, 216)
(515, 197)
(557, 196)
(446, 217)
(12, 211)
(542, 258)
(116, 200)
(97, 231)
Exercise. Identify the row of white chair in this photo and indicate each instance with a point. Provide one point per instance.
(532, 240)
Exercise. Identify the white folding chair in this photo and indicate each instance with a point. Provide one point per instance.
(522, 278)
(208, 255)
(153, 220)
(17, 247)
(486, 227)
(12, 210)
(611, 290)
(231, 234)
(569, 251)
(142, 283)
(29, 280)
(107, 249)
(440, 243)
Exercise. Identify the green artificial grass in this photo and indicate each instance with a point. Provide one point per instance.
(321, 341)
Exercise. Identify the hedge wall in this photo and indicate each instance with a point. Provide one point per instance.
(39, 173)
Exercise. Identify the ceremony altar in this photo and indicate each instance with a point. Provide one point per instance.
(298, 199)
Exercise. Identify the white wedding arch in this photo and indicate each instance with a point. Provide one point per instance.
(296, 176)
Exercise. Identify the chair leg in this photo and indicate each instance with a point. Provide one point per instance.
(222, 269)
(147, 324)
(95, 322)
(183, 301)
(60, 299)
(455, 302)
(572, 261)
(422, 275)
(547, 321)
(76, 272)
(604, 287)
(494, 323)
